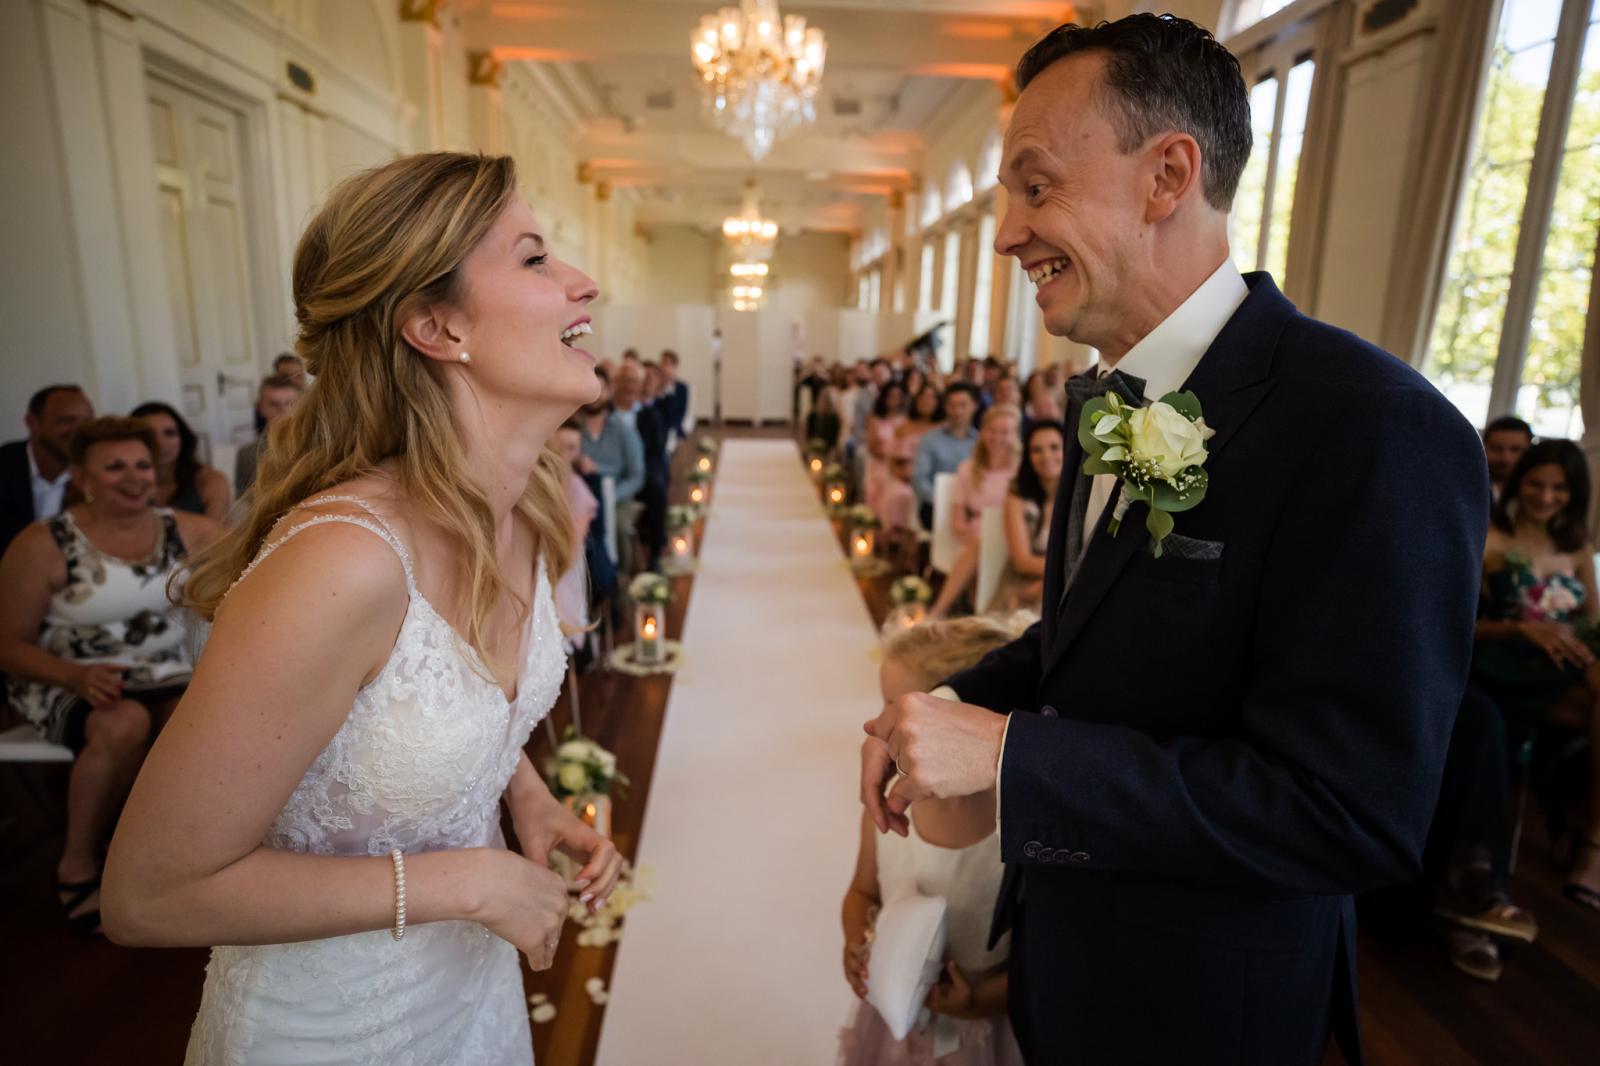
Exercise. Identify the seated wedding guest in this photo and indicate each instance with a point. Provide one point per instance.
(95, 650)
(886, 419)
(651, 390)
(981, 484)
(913, 381)
(1008, 390)
(1504, 441)
(635, 404)
(675, 393)
(291, 366)
(946, 446)
(612, 445)
(572, 592)
(182, 480)
(824, 423)
(953, 852)
(1039, 405)
(1468, 852)
(276, 398)
(1538, 587)
(924, 411)
(34, 472)
(1029, 506)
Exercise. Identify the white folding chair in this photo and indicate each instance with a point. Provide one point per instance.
(993, 554)
(22, 743)
(608, 503)
(942, 554)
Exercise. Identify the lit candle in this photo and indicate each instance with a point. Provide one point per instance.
(862, 544)
(836, 494)
(816, 466)
(647, 648)
(697, 495)
(705, 463)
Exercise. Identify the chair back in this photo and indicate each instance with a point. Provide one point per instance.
(993, 554)
(946, 546)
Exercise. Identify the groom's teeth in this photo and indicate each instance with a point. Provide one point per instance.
(1044, 272)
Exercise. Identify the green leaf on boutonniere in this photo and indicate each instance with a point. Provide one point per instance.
(1186, 404)
(1159, 523)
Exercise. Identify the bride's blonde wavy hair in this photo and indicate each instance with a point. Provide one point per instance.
(388, 243)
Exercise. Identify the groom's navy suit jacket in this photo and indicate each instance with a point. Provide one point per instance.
(1217, 747)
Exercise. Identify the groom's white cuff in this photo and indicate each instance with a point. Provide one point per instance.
(945, 692)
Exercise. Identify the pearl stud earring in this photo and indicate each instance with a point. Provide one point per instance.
(465, 358)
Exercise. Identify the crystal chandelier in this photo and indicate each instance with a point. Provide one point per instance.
(761, 71)
(751, 235)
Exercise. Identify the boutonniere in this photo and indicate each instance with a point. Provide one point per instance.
(1158, 451)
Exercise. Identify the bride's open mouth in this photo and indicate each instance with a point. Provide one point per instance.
(580, 328)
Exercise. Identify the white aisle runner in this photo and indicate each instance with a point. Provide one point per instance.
(752, 820)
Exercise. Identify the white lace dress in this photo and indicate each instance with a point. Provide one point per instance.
(419, 765)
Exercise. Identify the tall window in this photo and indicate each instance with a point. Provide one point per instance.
(925, 277)
(875, 289)
(1249, 12)
(952, 274)
(932, 206)
(1508, 332)
(988, 175)
(1259, 224)
(985, 284)
(958, 190)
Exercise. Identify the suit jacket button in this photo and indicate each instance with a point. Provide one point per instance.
(1079, 856)
(1048, 711)
(1047, 854)
(1030, 850)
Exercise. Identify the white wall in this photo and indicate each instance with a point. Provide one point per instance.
(682, 266)
(810, 270)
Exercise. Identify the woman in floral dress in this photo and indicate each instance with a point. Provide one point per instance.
(1535, 652)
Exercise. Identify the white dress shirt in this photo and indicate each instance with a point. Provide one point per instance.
(47, 494)
(1168, 354)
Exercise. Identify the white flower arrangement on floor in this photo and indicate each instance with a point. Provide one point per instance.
(581, 767)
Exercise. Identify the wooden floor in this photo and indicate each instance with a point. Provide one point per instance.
(68, 1000)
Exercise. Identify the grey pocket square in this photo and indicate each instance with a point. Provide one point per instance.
(1193, 548)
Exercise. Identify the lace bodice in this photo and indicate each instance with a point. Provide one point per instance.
(419, 764)
(431, 742)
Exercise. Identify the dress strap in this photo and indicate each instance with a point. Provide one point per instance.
(374, 524)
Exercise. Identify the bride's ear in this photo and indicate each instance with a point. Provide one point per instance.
(434, 331)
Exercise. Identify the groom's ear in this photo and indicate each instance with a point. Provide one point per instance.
(1175, 163)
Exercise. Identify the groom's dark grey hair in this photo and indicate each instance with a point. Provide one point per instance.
(1163, 74)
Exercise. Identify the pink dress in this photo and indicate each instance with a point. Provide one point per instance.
(883, 433)
(967, 501)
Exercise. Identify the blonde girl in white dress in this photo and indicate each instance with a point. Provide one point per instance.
(324, 806)
(953, 852)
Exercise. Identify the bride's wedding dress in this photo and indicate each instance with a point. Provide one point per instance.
(419, 765)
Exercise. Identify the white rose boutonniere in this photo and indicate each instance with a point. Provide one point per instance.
(1158, 451)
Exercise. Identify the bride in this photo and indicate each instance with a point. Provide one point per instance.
(324, 806)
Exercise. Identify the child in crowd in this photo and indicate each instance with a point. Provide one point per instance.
(953, 851)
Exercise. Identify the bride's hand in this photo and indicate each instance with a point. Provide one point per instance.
(543, 827)
(525, 904)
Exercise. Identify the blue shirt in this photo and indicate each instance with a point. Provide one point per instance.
(618, 453)
(939, 452)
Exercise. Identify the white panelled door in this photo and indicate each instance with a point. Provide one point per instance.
(205, 237)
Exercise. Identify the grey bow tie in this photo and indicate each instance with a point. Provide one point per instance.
(1081, 388)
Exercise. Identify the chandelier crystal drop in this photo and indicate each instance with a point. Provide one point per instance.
(761, 71)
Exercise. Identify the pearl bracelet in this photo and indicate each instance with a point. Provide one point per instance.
(399, 859)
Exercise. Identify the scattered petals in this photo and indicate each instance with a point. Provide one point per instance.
(543, 1013)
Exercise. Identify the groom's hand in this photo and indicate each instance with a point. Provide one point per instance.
(935, 747)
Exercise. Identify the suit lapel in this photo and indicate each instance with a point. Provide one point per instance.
(1231, 379)
(1056, 547)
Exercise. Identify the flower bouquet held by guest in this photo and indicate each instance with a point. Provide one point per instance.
(96, 651)
(953, 851)
(1538, 590)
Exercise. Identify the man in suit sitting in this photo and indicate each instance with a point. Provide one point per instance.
(1202, 754)
(33, 472)
(277, 396)
(674, 395)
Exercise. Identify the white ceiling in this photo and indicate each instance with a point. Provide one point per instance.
(894, 67)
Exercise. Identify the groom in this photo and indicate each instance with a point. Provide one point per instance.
(1201, 756)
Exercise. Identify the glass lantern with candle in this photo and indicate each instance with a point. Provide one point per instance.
(700, 489)
(582, 774)
(817, 457)
(680, 539)
(650, 593)
(908, 598)
(863, 524)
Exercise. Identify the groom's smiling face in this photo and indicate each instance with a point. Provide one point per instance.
(1076, 204)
